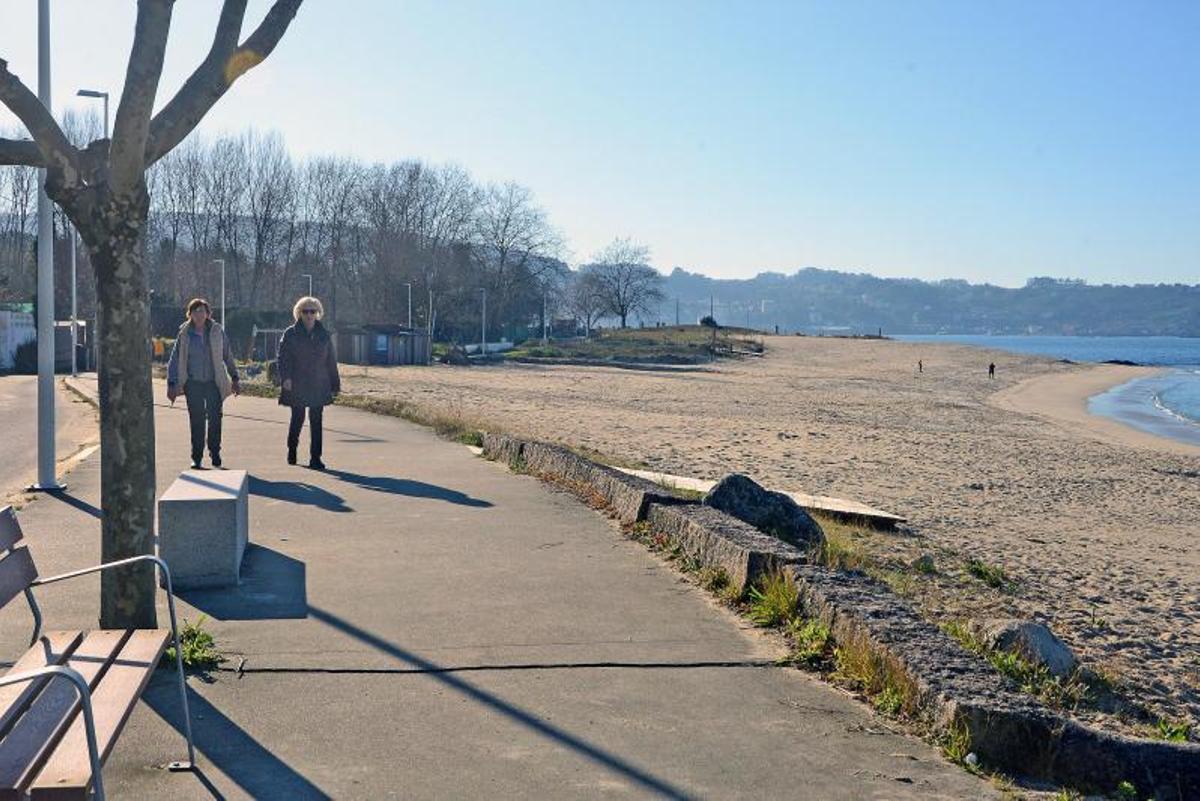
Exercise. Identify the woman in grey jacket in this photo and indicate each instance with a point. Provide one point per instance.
(201, 368)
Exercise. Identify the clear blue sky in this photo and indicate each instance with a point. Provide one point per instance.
(990, 141)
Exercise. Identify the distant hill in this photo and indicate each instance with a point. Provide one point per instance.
(815, 300)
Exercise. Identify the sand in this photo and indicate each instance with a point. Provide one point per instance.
(1095, 522)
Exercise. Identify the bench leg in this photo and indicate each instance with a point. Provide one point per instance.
(187, 716)
(37, 617)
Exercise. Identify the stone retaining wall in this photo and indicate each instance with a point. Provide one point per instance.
(954, 689)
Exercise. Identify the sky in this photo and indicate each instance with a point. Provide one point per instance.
(991, 141)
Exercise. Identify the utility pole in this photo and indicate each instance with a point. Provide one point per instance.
(483, 325)
(46, 480)
(409, 285)
(74, 334)
(544, 321)
(222, 263)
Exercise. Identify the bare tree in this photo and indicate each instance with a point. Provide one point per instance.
(269, 194)
(584, 298)
(514, 244)
(626, 283)
(103, 189)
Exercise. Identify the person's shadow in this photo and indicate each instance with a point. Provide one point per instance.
(409, 488)
(298, 492)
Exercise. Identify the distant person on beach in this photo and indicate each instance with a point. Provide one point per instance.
(309, 377)
(201, 368)
(920, 366)
(992, 370)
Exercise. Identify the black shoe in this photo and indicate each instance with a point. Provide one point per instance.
(316, 464)
(216, 460)
(196, 464)
(291, 455)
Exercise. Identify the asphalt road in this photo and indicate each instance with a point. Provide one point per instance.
(75, 423)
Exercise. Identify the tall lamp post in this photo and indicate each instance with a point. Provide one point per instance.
(46, 479)
(94, 93)
(483, 326)
(222, 263)
(309, 277)
(409, 286)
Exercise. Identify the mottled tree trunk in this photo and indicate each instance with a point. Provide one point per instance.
(113, 233)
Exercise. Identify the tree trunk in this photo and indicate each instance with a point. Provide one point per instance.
(114, 234)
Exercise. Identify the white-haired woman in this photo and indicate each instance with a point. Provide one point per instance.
(308, 372)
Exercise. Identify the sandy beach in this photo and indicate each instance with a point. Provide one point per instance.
(1094, 522)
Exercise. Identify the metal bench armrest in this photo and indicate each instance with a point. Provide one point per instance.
(85, 700)
(166, 572)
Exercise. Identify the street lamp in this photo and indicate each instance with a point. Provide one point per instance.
(99, 94)
(222, 263)
(409, 286)
(309, 277)
(46, 479)
(95, 93)
(483, 326)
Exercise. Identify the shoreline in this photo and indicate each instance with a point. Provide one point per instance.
(1063, 400)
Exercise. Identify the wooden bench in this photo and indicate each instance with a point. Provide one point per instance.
(64, 702)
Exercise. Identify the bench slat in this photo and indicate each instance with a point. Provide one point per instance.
(16, 571)
(35, 735)
(68, 773)
(10, 529)
(50, 649)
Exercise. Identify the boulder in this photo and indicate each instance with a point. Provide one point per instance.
(1032, 641)
(770, 512)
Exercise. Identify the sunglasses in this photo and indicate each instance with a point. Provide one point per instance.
(308, 311)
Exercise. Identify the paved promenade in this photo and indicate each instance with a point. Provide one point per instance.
(419, 623)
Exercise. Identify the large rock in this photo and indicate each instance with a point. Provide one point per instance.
(770, 512)
(1032, 641)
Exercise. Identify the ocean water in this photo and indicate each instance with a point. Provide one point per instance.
(1167, 404)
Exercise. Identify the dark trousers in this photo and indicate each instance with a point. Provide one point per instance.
(315, 413)
(204, 405)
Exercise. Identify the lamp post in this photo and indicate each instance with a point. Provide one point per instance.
(99, 94)
(544, 306)
(309, 277)
(409, 286)
(46, 479)
(222, 263)
(94, 93)
(483, 326)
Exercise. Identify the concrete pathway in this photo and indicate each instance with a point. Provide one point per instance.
(417, 622)
(75, 427)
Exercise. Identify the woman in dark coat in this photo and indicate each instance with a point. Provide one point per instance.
(309, 375)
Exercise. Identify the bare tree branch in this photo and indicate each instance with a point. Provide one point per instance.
(132, 125)
(22, 152)
(51, 142)
(224, 65)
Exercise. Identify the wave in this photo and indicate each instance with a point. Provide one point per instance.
(1176, 413)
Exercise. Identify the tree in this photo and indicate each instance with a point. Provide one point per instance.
(625, 282)
(584, 298)
(102, 188)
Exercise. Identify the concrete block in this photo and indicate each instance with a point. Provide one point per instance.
(204, 526)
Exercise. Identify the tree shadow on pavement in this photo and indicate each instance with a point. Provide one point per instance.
(226, 745)
(559, 736)
(410, 488)
(298, 492)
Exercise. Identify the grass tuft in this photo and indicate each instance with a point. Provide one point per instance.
(774, 599)
(811, 642)
(991, 575)
(199, 648)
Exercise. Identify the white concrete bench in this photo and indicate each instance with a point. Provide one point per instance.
(203, 527)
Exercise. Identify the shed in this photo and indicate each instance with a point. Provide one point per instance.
(381, 343)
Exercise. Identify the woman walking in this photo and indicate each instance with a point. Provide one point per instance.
(308, 372)
(201, 368)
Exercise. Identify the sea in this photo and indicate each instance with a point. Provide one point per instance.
(1167, 404)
